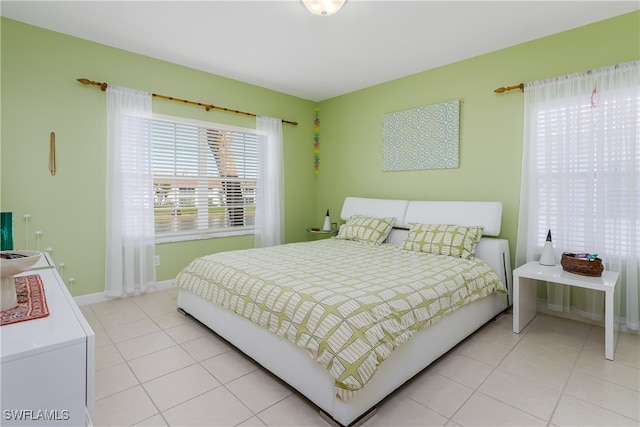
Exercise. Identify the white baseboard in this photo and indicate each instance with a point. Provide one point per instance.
(101, 297)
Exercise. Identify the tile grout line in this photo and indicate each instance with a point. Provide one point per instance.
(139, 384)
(511, 351)
(126, 362)
(199, 363)
(573, 369)
(477, 388)
(161, 413)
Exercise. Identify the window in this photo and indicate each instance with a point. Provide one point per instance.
(204, 179)
(586, 169)
(581, 179)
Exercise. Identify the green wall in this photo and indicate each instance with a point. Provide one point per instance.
(40, 95)
(491, 124)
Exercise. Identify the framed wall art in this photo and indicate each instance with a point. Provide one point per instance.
(422, 138)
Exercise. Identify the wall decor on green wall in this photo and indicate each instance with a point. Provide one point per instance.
(6, 231)
(422, 138)
(316, 141)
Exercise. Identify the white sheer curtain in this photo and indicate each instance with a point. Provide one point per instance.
(581, 180)
(269, 227)
(130, 244)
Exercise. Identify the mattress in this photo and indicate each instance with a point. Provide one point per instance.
(349, 304)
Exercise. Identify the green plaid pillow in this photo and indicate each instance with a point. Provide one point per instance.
(366, 229)
(442, 239)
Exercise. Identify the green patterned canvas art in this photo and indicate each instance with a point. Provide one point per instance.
(422, 138)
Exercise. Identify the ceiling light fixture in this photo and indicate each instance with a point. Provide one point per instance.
(323, 7)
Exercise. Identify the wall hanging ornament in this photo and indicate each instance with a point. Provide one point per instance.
(316, 141)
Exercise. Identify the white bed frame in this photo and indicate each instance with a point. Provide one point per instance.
(293, 364)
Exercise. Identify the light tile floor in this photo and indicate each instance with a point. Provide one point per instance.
(155, 367)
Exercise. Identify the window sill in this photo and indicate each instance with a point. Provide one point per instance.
(202, 236)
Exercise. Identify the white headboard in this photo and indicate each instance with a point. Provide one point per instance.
(486, 214)
(379, 208)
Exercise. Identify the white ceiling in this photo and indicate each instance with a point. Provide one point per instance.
(281, 46)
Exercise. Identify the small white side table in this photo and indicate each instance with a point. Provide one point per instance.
(525, 294)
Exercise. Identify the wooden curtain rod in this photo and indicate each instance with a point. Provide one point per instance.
(505, 89)
(103, 87)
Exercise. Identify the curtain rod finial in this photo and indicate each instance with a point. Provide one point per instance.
(103, 86)
(505, 89)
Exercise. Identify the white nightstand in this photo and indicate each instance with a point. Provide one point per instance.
(332, 232)
(525, 294)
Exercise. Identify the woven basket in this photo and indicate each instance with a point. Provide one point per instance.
(580, 265)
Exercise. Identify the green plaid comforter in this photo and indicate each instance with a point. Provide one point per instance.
(348, 303)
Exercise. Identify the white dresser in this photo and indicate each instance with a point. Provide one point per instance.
(47, 372)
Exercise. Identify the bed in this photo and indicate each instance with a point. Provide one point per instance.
(316, 362)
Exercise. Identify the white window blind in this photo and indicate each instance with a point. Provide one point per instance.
(586, 168)
(204, 178)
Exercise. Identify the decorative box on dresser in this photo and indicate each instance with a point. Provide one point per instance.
(47, 371)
